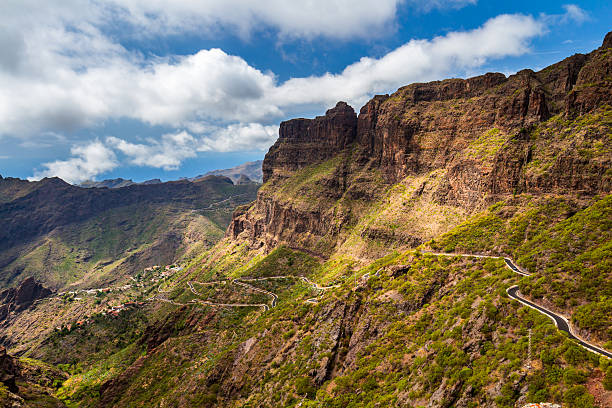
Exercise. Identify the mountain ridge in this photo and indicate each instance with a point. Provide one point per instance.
(453, 126)
(350, 280)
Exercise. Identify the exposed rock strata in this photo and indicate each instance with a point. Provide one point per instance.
(20, 298)
(427, 127)
(302, 142)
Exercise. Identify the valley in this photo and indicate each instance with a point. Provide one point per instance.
(449, 245)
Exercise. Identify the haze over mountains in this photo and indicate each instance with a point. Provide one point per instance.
(346, 279)
(251, 170)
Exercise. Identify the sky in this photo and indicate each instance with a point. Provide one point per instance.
(141, 89)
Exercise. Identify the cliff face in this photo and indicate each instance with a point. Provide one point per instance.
(20, 298)
(489, 136)
(28, 384)
(302, 142)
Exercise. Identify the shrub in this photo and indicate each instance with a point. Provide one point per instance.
(305, 387)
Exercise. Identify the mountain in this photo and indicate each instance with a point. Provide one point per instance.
(243, 173)
(115, 183)
(60, 233)
(251, 170)
(381, 264)
(109, 183)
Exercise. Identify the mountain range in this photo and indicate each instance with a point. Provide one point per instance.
(243, 173)
(412, 254)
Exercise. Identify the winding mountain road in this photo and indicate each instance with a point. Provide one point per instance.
(513, 292)
(209, 303)
(243, 282)
(560, 321)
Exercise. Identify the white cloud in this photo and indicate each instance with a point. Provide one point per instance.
(330, 18)
(60, 71)
(167, 153)
(88, 161)
(218, 88)
(239, 137)
(575, 14)
(417, 60)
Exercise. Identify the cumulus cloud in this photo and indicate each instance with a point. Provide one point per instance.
(417, 60)
(167, 153)
(62, 71)
(330, 18)
(220, 88)
(89, 160)
(239, 137)
(575, 14)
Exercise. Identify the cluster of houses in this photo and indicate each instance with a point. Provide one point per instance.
(166, 271)
(114, 311)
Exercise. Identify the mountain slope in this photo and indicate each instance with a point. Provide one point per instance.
(252, 170)
(322, 294)
(61, 233)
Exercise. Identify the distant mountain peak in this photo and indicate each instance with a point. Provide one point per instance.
(108, 183)
(251, 170)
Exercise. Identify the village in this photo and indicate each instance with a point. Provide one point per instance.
(150, 275)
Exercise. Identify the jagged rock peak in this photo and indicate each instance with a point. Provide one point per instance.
(302, 142)
(341, 108)
(607, 42)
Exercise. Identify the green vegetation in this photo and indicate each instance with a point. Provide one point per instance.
(432, 323)
(587, 138)
(282, 261)
(567, 249)
(107, 245)
(487, 145)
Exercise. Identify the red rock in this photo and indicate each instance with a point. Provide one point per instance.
(302, 142)
(426, 127)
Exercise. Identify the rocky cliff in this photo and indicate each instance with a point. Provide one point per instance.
(484, 138)
(302, 142)
(21, 297)
(28, 383)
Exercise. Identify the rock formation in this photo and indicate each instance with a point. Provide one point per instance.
(20, 298)
(429, 127)
(302, 142)
(9, 370)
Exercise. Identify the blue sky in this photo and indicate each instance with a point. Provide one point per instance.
(166, 89)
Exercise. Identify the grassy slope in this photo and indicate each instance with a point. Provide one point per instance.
(437, 323)
(467, 299)
(567, 249)
(100, 246)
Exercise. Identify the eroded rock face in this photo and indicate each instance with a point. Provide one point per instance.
(305, 141)
(9, 370)
(429, 127)
(20, 298)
